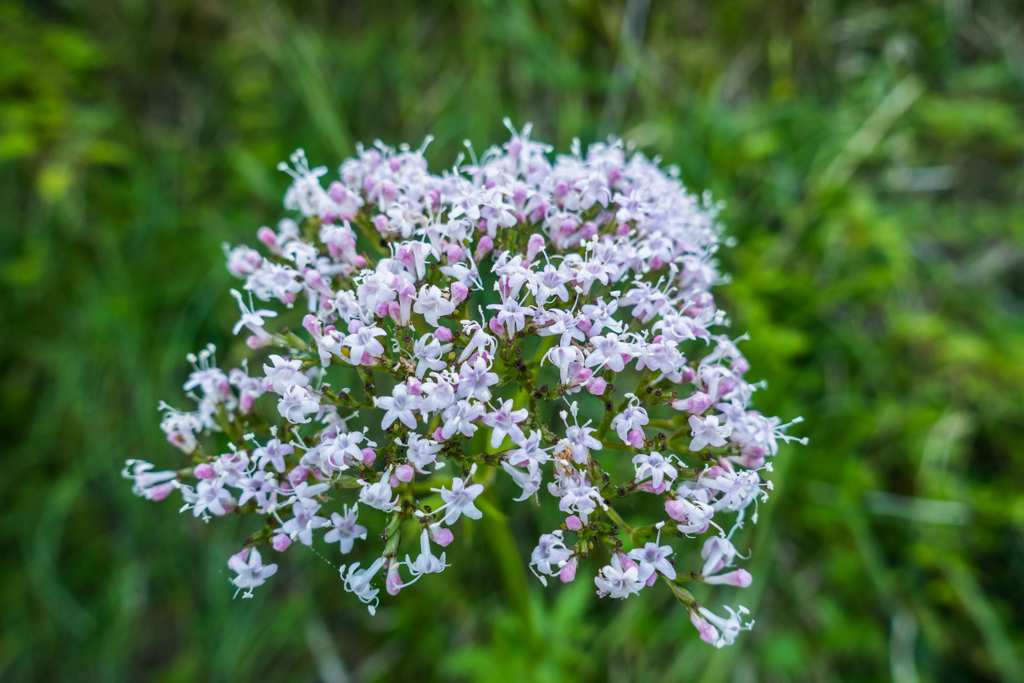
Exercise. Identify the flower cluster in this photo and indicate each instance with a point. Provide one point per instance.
(505, 297)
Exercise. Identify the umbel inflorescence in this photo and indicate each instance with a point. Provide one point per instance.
(463, 319)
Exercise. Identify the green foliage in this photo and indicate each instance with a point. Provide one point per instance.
(871, 158)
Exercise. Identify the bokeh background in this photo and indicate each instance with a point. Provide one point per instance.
(870, 156)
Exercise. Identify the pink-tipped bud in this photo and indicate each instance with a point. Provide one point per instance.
(675, 509)
(568, 572)
(597, 386)
(589, 230)
(635, 438)
(688, 374)
(404, 473)
(160, 491)
(281, 542)
(740, 366)
(381, 223)
(204, 471)
(268, 237)
(359, 261)
(394, 581)
(626, 562)
(697, 403)
(298, 475)
(393, 481)
(649, 487)
(395, 311)
(708, 633)
(312, 325)
(740, 578)
(495, 327)
(366, 360)
(254, 342)
(382, 309)
(455, 253)
(369, 455)
(483, 247)
(443, 334)
(573, 523)
(441, 536)
(439, 436)
(582, 375)
(459, 292)
(246, 402)
(534, 245)
(584, 325)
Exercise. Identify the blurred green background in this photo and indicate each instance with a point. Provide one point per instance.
(870, 155)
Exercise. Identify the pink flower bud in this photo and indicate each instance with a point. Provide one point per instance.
(697, 403)
(573, 523)
(298, 475)
(246, 402)
(495, 327)
(393, 481)
(589, 230)
(394, 581)
(404, 473)
(395, 311)
(597, 386)
(740, 578)
(160, 491)
(708, 633)
(204, 471)
(626, 562)
(268, 237)
(635, 438)
(688, 374)
(534, 245)
(582, 375)
(438, 436)
(254, 342)
(674, 509)
(568, 572)
(441, 536)
(649, 487)
(366, 360)
(656, 263)
(382, 309)
(381, 223)
(443, 334)
(740, 366)
(281, 542)
(459, 292)
(312, 325)
(359, 261)
(369, 455)
(584, 325)
(483, 247)
(455, 253)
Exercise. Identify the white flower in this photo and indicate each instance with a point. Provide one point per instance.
(459, 501)
(616, 582)
(431, 304)
(708, 432)
(426, 563)
(283, 374)
(251, 571)
(651, 558)
(730, 627)
(296, 403)
(504, 421)
(656, 466)
(344, 530)
(398, 406)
